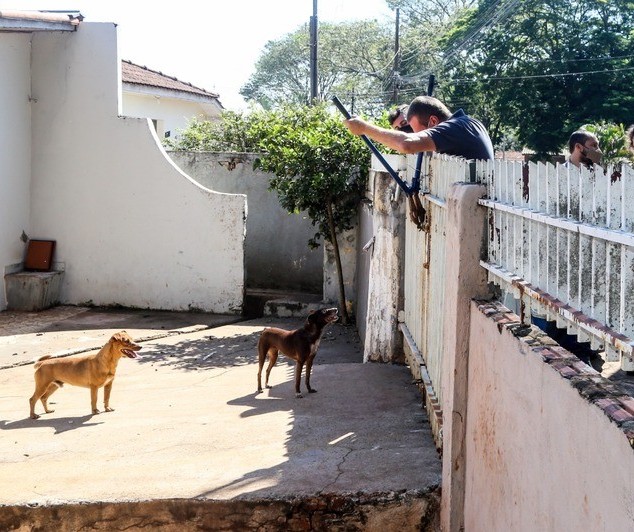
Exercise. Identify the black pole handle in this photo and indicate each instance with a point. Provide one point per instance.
(375, 150)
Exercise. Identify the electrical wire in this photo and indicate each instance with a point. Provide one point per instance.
(493, 17)
(537, 76)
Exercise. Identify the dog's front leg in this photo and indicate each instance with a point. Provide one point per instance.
(309, 366)
(93, 399)
(298, 379)
(106, 397)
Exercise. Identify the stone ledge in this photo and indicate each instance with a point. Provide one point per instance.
(374, 512)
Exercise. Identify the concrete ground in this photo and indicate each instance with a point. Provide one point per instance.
(189, 427)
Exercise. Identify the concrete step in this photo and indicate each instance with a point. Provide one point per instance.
(280, 303)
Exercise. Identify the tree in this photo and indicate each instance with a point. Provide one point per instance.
(545, 67)
(354, 57)
(231, 133)
(318, 166)
(430, 12)
(356, 61)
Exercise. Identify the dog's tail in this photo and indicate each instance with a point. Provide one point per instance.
(39, 360)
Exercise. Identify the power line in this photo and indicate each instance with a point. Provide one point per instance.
(536, 76)
(494, 18)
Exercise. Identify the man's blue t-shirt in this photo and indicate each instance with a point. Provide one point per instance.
(462, 136)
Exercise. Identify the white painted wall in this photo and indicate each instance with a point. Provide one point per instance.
(131, 228)
(173, 115)
(276, 246)
(15, 150)
(539, 456)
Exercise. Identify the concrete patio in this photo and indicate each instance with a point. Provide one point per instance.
(190, 446)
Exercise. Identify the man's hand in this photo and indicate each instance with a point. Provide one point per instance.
(397, 140)
(357, 126)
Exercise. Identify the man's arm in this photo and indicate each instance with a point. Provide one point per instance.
(397, 140)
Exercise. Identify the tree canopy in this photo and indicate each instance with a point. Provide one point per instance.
(549, 67)
(532, 71)
(355, 63)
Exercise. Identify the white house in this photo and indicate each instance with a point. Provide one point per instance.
(170, 103)
(131, 228)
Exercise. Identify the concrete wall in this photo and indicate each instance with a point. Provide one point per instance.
(383, 270)
(365, 234)
(533, 439)
(131, 228)
(348, 255)
(539, 455)
(15, 151)
(277, 252)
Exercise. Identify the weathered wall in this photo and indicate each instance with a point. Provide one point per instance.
(544, 449)
(365, 234)
(348, 256)
(15, 151)
(383, 341)
(131, 228)
(276, 246)
(367, 513)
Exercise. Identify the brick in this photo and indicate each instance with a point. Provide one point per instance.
(627, 403)
(614, 410)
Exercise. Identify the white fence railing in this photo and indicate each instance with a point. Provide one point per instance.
(422, 321)
(561, 240)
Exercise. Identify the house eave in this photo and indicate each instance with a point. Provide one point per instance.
(32, 21)
(161, 92)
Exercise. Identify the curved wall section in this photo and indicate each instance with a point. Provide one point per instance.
(131, 228)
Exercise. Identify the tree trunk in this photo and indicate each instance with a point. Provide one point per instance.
(333, 239)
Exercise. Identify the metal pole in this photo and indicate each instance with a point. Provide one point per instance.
(313, 55)
(431, 84)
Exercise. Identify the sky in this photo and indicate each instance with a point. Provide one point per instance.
(212, 44)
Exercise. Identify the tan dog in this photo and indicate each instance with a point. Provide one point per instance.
(301, 345)
(89, 371)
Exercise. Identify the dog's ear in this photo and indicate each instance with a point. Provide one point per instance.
(120, 337)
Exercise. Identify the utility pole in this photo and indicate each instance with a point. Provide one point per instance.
(313, 55)
(397, 57)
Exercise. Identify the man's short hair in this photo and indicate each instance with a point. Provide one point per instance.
(396, 112)
(424, 107)
(581, 136)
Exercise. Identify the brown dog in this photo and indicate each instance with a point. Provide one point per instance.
(301, 345)
(89, 371)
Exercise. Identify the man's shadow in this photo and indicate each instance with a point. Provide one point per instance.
(60, 424)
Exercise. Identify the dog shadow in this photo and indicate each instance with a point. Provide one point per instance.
(280, 397)
(60, 424)
(209, 352)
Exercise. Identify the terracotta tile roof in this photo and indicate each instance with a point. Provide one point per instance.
(140, 75)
